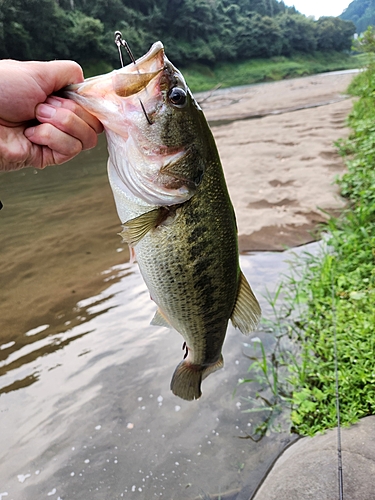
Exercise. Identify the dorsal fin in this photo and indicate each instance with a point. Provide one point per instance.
(246, 313)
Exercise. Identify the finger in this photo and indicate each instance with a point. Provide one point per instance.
(59, 146)
(68, 122)
(59, 102)
(14, 148)
(54, 75)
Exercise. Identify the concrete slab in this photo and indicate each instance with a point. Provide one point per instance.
(309, 468)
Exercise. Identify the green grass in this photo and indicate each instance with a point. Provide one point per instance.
(337, 290)
(200, 77)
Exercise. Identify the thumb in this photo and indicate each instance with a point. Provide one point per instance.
(54, 75)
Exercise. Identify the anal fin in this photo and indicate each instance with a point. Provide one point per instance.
(160, 320)
(246, 313)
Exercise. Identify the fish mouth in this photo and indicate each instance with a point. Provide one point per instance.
(124, 82)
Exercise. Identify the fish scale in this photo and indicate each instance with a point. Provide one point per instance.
(207, 287)
(171, 196)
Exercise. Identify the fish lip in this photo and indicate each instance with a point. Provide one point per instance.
(153, 62)
(150, 57)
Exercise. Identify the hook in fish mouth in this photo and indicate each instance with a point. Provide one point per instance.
(120, 42)
(145, 113)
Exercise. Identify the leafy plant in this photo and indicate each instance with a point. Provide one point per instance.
(335, 295)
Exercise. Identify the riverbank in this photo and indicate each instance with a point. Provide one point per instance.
(336, 325)
(201, 77)
(276, 142)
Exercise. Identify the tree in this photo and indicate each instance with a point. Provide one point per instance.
(333, 33)
(298, 33)
(33, 29)
(258, 37)
(366, 42)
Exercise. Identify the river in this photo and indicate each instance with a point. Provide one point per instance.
(85, 405)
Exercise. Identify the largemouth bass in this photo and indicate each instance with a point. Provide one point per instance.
(171, 196)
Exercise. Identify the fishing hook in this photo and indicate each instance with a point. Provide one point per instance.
(119, 41)
(145, 112)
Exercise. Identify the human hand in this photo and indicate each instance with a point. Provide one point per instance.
(64, 128)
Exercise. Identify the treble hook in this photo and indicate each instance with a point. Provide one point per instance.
(119, 41)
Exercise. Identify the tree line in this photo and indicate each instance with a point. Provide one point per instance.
(362, 13)
(204, 31)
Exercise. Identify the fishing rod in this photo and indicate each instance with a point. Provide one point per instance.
(339, 449)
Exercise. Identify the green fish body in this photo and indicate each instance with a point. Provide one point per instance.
(171, 196)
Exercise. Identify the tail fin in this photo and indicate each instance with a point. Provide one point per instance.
(187, 378)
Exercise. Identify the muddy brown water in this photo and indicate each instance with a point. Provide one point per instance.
(85, 406)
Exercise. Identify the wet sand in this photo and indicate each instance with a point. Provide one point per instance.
(280, 170)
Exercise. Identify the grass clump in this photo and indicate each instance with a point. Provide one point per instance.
(339, 290)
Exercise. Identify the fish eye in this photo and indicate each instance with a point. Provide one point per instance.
(177, 97)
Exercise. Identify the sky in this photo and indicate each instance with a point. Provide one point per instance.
(318, 8)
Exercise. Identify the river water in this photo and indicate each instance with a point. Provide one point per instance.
(85, 406)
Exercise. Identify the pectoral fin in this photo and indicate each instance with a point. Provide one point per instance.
(135, 229)
(160, 320)
(246, 313)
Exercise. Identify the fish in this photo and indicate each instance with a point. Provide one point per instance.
(177, 217)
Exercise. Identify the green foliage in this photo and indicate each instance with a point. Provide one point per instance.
(203, 77)
(341, 293)
(34, 30)
(334, 34)
(298, 34)
(193, 31)
(361, 12)
(365, 42)
(340, 288)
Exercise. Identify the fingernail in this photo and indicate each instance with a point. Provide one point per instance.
(29, 131)
(54, 102)
(45, 111)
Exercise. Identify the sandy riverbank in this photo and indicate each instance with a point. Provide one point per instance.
(281, 168)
